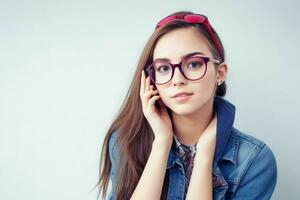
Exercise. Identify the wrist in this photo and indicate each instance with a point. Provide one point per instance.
(203, 159)
(162, 136)
(205, 154)
(162, 143)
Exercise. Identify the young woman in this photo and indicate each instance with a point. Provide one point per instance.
(174, 137)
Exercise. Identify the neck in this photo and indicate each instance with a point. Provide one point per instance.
(188, 128)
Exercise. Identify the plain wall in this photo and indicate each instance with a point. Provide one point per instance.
(65, 67)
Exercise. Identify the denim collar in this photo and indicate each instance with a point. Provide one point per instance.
(225, 117)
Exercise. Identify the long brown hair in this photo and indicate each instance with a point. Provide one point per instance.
(135, 135)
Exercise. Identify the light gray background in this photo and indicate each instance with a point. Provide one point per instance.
(65, 67)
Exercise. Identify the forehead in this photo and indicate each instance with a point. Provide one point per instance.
(180, 42)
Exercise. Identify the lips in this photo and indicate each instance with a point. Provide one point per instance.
(182, 94)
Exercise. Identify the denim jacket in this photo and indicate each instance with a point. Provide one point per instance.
(244, 167)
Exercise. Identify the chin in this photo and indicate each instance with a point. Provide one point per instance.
(183, 109)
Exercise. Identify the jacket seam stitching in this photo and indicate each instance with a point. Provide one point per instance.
(249, 165)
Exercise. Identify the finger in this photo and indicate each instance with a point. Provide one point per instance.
(147, 86)
(153, 99)
(215, 117)
(148, 94)
(214, 121)
(142, 89)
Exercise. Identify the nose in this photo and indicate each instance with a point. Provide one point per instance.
(178, 78)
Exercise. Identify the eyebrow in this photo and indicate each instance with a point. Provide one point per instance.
(182, 57)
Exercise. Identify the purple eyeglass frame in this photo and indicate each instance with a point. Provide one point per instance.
(179, 65)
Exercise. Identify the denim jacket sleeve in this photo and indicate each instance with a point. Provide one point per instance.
(260, 179)
(113, 156)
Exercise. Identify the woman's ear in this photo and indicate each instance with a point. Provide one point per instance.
(222, 71)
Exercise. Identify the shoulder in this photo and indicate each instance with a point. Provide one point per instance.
(113, 156)
(243, 151)
(244, 148)
(113, 146)
(253, 168)
(246, 137)
(249, 147)
(113, 138)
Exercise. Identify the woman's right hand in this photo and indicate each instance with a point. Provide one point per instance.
(159, 120)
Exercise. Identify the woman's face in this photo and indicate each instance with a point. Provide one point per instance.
(173, 46)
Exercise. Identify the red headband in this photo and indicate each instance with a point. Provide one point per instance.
(193, 19)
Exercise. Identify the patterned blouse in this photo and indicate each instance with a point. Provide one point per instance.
(187, 154)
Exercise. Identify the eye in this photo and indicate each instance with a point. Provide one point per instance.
(194, 63)
(163, 68)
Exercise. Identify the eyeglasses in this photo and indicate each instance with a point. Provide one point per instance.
(192, 68)
(194, 19)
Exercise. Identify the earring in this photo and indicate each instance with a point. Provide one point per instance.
(219, 82)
